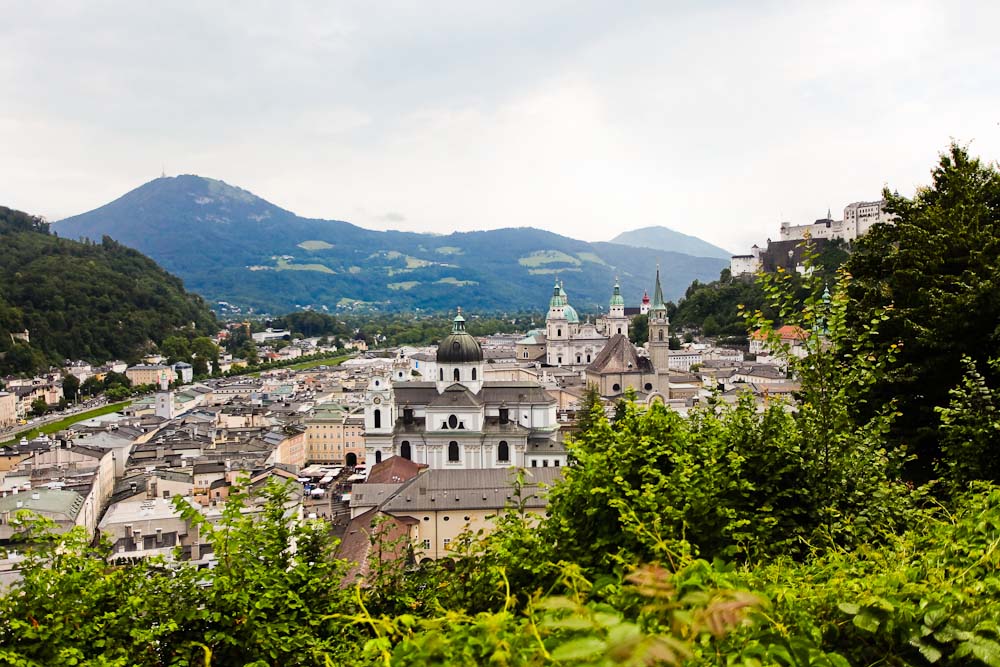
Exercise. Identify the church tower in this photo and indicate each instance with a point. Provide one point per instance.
(380, 418)
(617, 322)
(459, 358)
(659, 329)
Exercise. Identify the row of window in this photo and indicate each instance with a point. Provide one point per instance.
(454, 451)
(545, 463)
(455, 374)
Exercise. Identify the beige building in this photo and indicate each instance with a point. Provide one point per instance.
(149, 374)
(8, 409)
(65, 508)
(434, 507)
(335, 434)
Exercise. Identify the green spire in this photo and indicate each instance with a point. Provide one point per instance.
(658, 302)
(558, 299)
(616, 299)
(458, 324)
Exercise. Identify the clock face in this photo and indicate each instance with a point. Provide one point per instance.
(377, 400)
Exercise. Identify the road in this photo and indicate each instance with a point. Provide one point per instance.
(38, 422)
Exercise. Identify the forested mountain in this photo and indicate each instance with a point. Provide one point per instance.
(665, 238)
(83, 300)
(229, 245)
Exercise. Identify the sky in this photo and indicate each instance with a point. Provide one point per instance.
(716, 119)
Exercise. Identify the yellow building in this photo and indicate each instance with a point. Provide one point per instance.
(148, 374)
(336, 435)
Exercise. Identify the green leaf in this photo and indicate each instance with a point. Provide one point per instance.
(866, 621)
(849, 608)
(578, 649)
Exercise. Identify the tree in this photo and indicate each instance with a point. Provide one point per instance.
(175, 348)
(205, 348)
(39, 407)
(674, 343)
(638, 333)
(70, 386)
(91, 386)
(936, 275)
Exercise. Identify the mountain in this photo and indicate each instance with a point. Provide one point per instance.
(232, 246)
(83, 300)
(664, 238)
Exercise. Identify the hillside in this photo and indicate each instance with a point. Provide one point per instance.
(664, 238)
(90, 301)
(230, 245)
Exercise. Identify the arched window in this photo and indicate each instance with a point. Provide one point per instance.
(503, 451)
(588, 358)
(473, 374)
(456, 375)
(578, 358)
(659, 335)
(441, 374)
(378, 456)
(378, 418)
(452, 421)
(404, 450)
(453, 451)
(619, 329)
(558, 332)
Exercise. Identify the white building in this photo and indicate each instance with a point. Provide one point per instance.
(743, 265)
(460, 420)
(859, 217)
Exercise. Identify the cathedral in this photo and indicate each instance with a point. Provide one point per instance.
(461, 421)
(575, 344)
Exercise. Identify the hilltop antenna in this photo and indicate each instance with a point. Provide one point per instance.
(163, 171)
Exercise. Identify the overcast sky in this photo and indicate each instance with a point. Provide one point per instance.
(583, 118)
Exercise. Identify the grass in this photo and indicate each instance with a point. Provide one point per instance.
(315, 245)
(68, 421)
(542, 257)
(285, 265)
(455, 281)
(406, 285)
(305, 365)
(449, 250)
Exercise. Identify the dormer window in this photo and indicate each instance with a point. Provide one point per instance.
(504, 415)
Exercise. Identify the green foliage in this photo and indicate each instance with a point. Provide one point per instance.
(934, 274)
(83, 301)
(970, 431)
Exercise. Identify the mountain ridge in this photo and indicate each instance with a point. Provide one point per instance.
(233, 246)
(661, 237)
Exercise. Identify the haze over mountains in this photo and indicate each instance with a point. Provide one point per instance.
(230, 245)
(664, 238)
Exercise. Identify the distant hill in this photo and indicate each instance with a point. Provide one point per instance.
(664, 238)
(230, 245)
(83, 301)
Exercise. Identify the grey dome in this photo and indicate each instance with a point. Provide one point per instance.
(459, 346)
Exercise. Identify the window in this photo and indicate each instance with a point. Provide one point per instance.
(578, 357)
(378, 456)
(426, 545)
(588, 358)
(503, 451)
(648, 386)
(556, 463)
(441, 374)
(404, 450)
(446, 519)
(545, 463)
(558, 332)
(616, 387)
(659, 335)
(504, 415)
(452, 421)
(619, 329)
(473, 373)
(559, 360)
(456, 375)
(453, 451)
(407, 415)
(446, 541)
(378, 418)
(534, 463)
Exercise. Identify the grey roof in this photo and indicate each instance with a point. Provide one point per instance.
(50, 501)
(455, 396)
(470, 489)
(370, 495)
(620, 356)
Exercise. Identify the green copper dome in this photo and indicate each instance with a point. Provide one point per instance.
(459, 346)
(616, 298)
(569, 312)
(558, 299)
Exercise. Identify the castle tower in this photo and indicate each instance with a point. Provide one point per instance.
(617, 322)
(644, 308)
(659, 329)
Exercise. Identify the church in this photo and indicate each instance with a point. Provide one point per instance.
(461, 421)
(574, 344)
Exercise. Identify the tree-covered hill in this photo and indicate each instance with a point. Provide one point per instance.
(230, 245)
(83, 300)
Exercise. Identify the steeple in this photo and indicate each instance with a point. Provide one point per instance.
(616, 298)
(658, 302)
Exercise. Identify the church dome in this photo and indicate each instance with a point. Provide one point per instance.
(459, 346)
(569, 312)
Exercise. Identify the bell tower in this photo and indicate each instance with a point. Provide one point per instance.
(659, 329)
